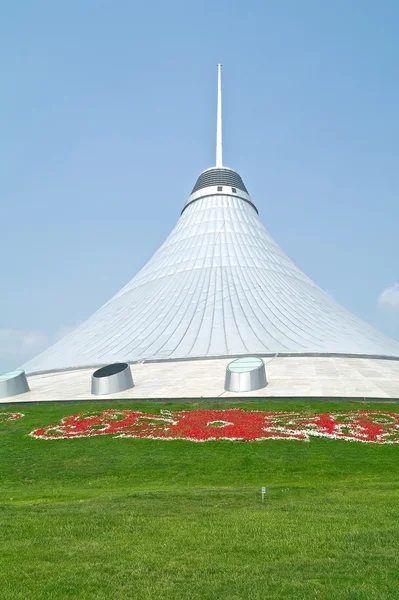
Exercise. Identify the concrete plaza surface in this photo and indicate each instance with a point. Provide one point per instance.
(301, 376)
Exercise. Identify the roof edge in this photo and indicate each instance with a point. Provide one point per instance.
(224, 356)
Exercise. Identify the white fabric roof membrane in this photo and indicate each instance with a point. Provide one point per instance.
(218, 286)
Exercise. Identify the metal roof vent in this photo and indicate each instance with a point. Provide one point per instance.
(111, 379)
(245, 375)
(13, 384)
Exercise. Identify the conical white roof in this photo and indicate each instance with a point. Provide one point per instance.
(218, 286)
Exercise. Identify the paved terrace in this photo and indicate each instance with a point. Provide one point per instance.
(287, 377)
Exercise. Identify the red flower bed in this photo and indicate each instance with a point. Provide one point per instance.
(9, 416)
(232, 424)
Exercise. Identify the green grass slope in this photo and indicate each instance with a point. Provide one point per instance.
(108, 518)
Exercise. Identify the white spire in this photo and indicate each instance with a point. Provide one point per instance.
(219, 143)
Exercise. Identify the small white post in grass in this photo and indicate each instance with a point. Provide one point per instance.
(263, 494)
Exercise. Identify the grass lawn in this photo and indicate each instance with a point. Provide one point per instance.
(115, 519)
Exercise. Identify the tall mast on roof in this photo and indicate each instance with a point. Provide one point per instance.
(219, 142)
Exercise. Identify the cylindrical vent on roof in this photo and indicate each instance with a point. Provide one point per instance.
(13, 384)
(111, 379)
(245, 375)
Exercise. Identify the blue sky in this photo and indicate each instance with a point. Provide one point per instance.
(108, 116)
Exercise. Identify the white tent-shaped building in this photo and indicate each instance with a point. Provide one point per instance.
(219, 286)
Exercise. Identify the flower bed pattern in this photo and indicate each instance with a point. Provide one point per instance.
(9, 416)
(232, 424)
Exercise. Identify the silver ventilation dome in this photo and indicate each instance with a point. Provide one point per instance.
(219, 176)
